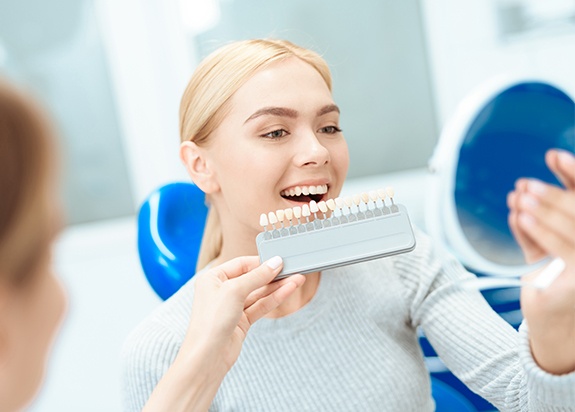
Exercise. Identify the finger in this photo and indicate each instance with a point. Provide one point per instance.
(258, 277)
(265, 305)
(531, 250)
(235, 267)
(264, 291)
(551, 196)
(562, 164)
(554, 218)
(553, 243)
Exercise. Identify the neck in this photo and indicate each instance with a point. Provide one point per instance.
(299, 298)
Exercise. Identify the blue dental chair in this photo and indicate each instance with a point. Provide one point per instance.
(170, 229)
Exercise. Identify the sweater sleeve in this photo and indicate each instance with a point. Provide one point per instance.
(152, 347)
(475, 343)
(147, 354)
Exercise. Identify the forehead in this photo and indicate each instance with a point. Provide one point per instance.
(287, 83)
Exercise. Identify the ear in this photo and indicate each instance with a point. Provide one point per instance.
(197, 164)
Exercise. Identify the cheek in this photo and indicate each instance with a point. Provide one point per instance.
(340, 158)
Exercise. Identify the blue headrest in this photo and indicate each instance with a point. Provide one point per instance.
(170, 228)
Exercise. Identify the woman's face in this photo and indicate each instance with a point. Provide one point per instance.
(280, 138)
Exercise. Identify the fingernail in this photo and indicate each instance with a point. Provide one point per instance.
(274, 262)
(566, 159)
(536, 187)
(526, 220)
(529, 202)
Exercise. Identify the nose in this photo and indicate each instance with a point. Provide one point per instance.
(311, 151)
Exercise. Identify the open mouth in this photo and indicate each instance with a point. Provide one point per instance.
(305, 194)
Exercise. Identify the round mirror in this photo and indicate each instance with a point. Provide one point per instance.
(499, 133)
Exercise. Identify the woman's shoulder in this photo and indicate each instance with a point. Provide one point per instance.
(165, 325)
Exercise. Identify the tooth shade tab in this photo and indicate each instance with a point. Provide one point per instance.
(348, 201)
(264, 220)
(280, 214)
(313, 206)
(288, 213)
(272, 218)
(339, 202)
(330, 203)
(390, 191)
(356, 200)
(365, 197)
(373, 196)
(322, 206)
(297, 212)
(381, 194)
(305, 210)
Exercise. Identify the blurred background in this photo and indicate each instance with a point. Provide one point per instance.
(112, 74)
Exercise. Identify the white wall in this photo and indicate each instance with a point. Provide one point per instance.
(465, 48)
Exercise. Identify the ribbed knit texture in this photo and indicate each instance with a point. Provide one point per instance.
(354, 346)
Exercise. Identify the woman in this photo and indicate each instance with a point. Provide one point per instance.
(32, 300)
(258, 120)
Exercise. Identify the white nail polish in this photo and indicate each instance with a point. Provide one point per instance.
(274, 262)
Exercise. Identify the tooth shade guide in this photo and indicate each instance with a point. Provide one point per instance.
(280, 214)
(306, 249)
(264, 221)
(272, 218)
(288, 214)
(313, 206)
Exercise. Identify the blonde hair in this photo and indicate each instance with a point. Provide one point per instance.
(26, 169)
(205, 102)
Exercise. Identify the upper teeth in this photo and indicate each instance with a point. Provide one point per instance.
(305, 190)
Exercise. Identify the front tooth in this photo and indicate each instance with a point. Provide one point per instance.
(312, 190)
(292, 192)
(297, 190)
(305, 190)
(319, 190)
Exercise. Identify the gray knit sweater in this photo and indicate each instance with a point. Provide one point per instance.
(354, 346)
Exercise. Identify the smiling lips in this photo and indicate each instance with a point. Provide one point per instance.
(304, 193)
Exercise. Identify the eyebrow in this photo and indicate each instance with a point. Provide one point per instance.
(286, 112)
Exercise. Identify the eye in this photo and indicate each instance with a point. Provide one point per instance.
(330, 130)
(276, 134)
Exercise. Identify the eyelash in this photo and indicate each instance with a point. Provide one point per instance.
(334, 129)
(270, 135)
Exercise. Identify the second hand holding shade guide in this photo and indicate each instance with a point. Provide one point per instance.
(336, 232)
